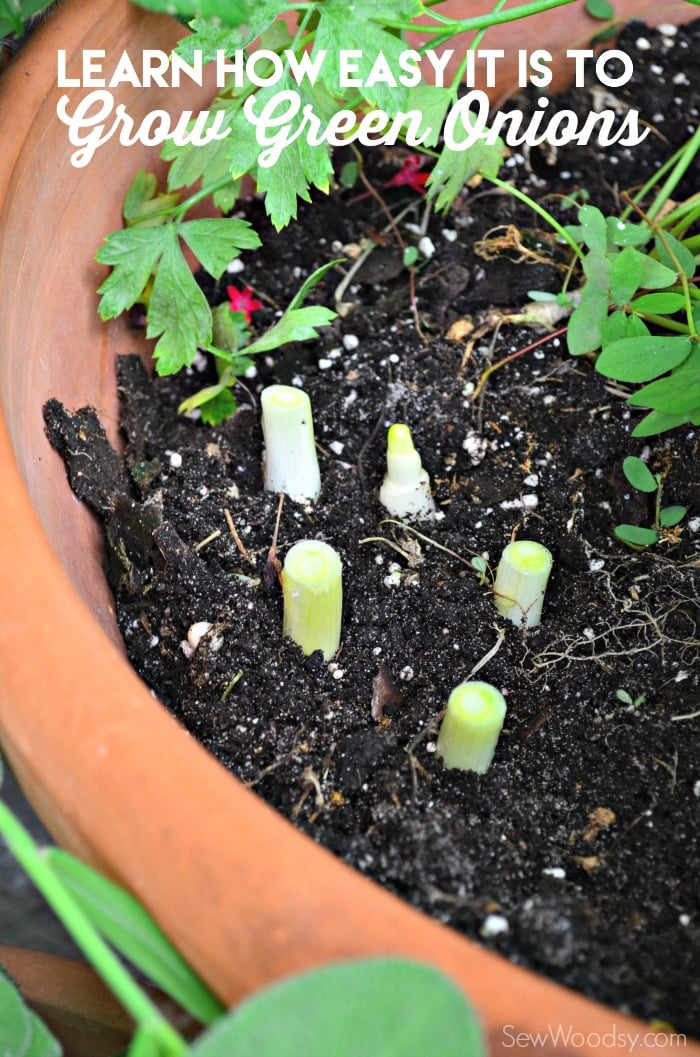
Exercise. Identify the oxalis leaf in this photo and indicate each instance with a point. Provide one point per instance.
(676, 395)
(383, 1007)
(585, 331)
(639, 475)
(683, 255)
(644, 358)
(671, 515)
(636, 536)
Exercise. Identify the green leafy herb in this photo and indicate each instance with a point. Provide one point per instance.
(639, 537)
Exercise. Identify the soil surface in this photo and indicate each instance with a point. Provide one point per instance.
(576, 853)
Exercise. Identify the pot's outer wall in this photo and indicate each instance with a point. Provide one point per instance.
(245, 896)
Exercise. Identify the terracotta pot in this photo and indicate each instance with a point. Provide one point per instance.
(245, 896)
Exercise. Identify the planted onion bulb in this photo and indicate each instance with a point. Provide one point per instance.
(521, 581)
(405, 491)
(469, 731)
(312, 589)
(291, 465)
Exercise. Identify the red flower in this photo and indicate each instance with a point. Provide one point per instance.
(243, 301)
(409, 174)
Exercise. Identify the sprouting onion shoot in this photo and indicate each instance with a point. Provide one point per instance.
(405, 492)
(291, 465)
(313, 597)
(521, 581)
(472, 723)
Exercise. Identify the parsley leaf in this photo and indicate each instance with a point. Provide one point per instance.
(216, 242)
(178, 313)
(133, 254)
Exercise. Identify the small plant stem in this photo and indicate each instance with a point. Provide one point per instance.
(657, 503)
(662, 321)
(652, 181)
(514, 356)
(199, 196)
(540, 210)
(468, 25)
(457, 80)
(683, 217)
(135, 1001)
(687, 156)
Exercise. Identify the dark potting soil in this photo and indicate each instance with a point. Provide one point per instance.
(577, 853)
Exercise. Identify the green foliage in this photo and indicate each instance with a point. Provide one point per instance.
(640, 477)
(15, 13)
(639, 276)
(227, 12)
(23, 1034)
(132, 931)
(627, 699)
(234, 347)
(386, 1007)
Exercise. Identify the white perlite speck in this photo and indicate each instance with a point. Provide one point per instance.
(494, 925)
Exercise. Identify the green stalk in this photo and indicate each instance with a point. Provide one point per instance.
(687, 156)
(663, 321)
(100, 956)
(457, 80)
(541, 211)
(467, 25)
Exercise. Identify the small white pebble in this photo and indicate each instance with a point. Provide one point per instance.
(696, 788)
(684, 919)
(350, 341)
(406, 674)
(642, 44)
(694, 525)
(339, 673)
(530, 501)
(680, 78)
(475, 447)
(494, 925)
(588, 633)
(175, 459)
(235, 266)
(667, 30)
(449, 234)
(153, 641)
(197, 632)
(426, 246)
(324, 364)
(532, 480)
(596, 564)
(337, 447)
(555, 871)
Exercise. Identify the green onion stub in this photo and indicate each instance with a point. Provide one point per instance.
(291, 465)
(405, 491)
(312, 588)
(469, 731)
(521, 581)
